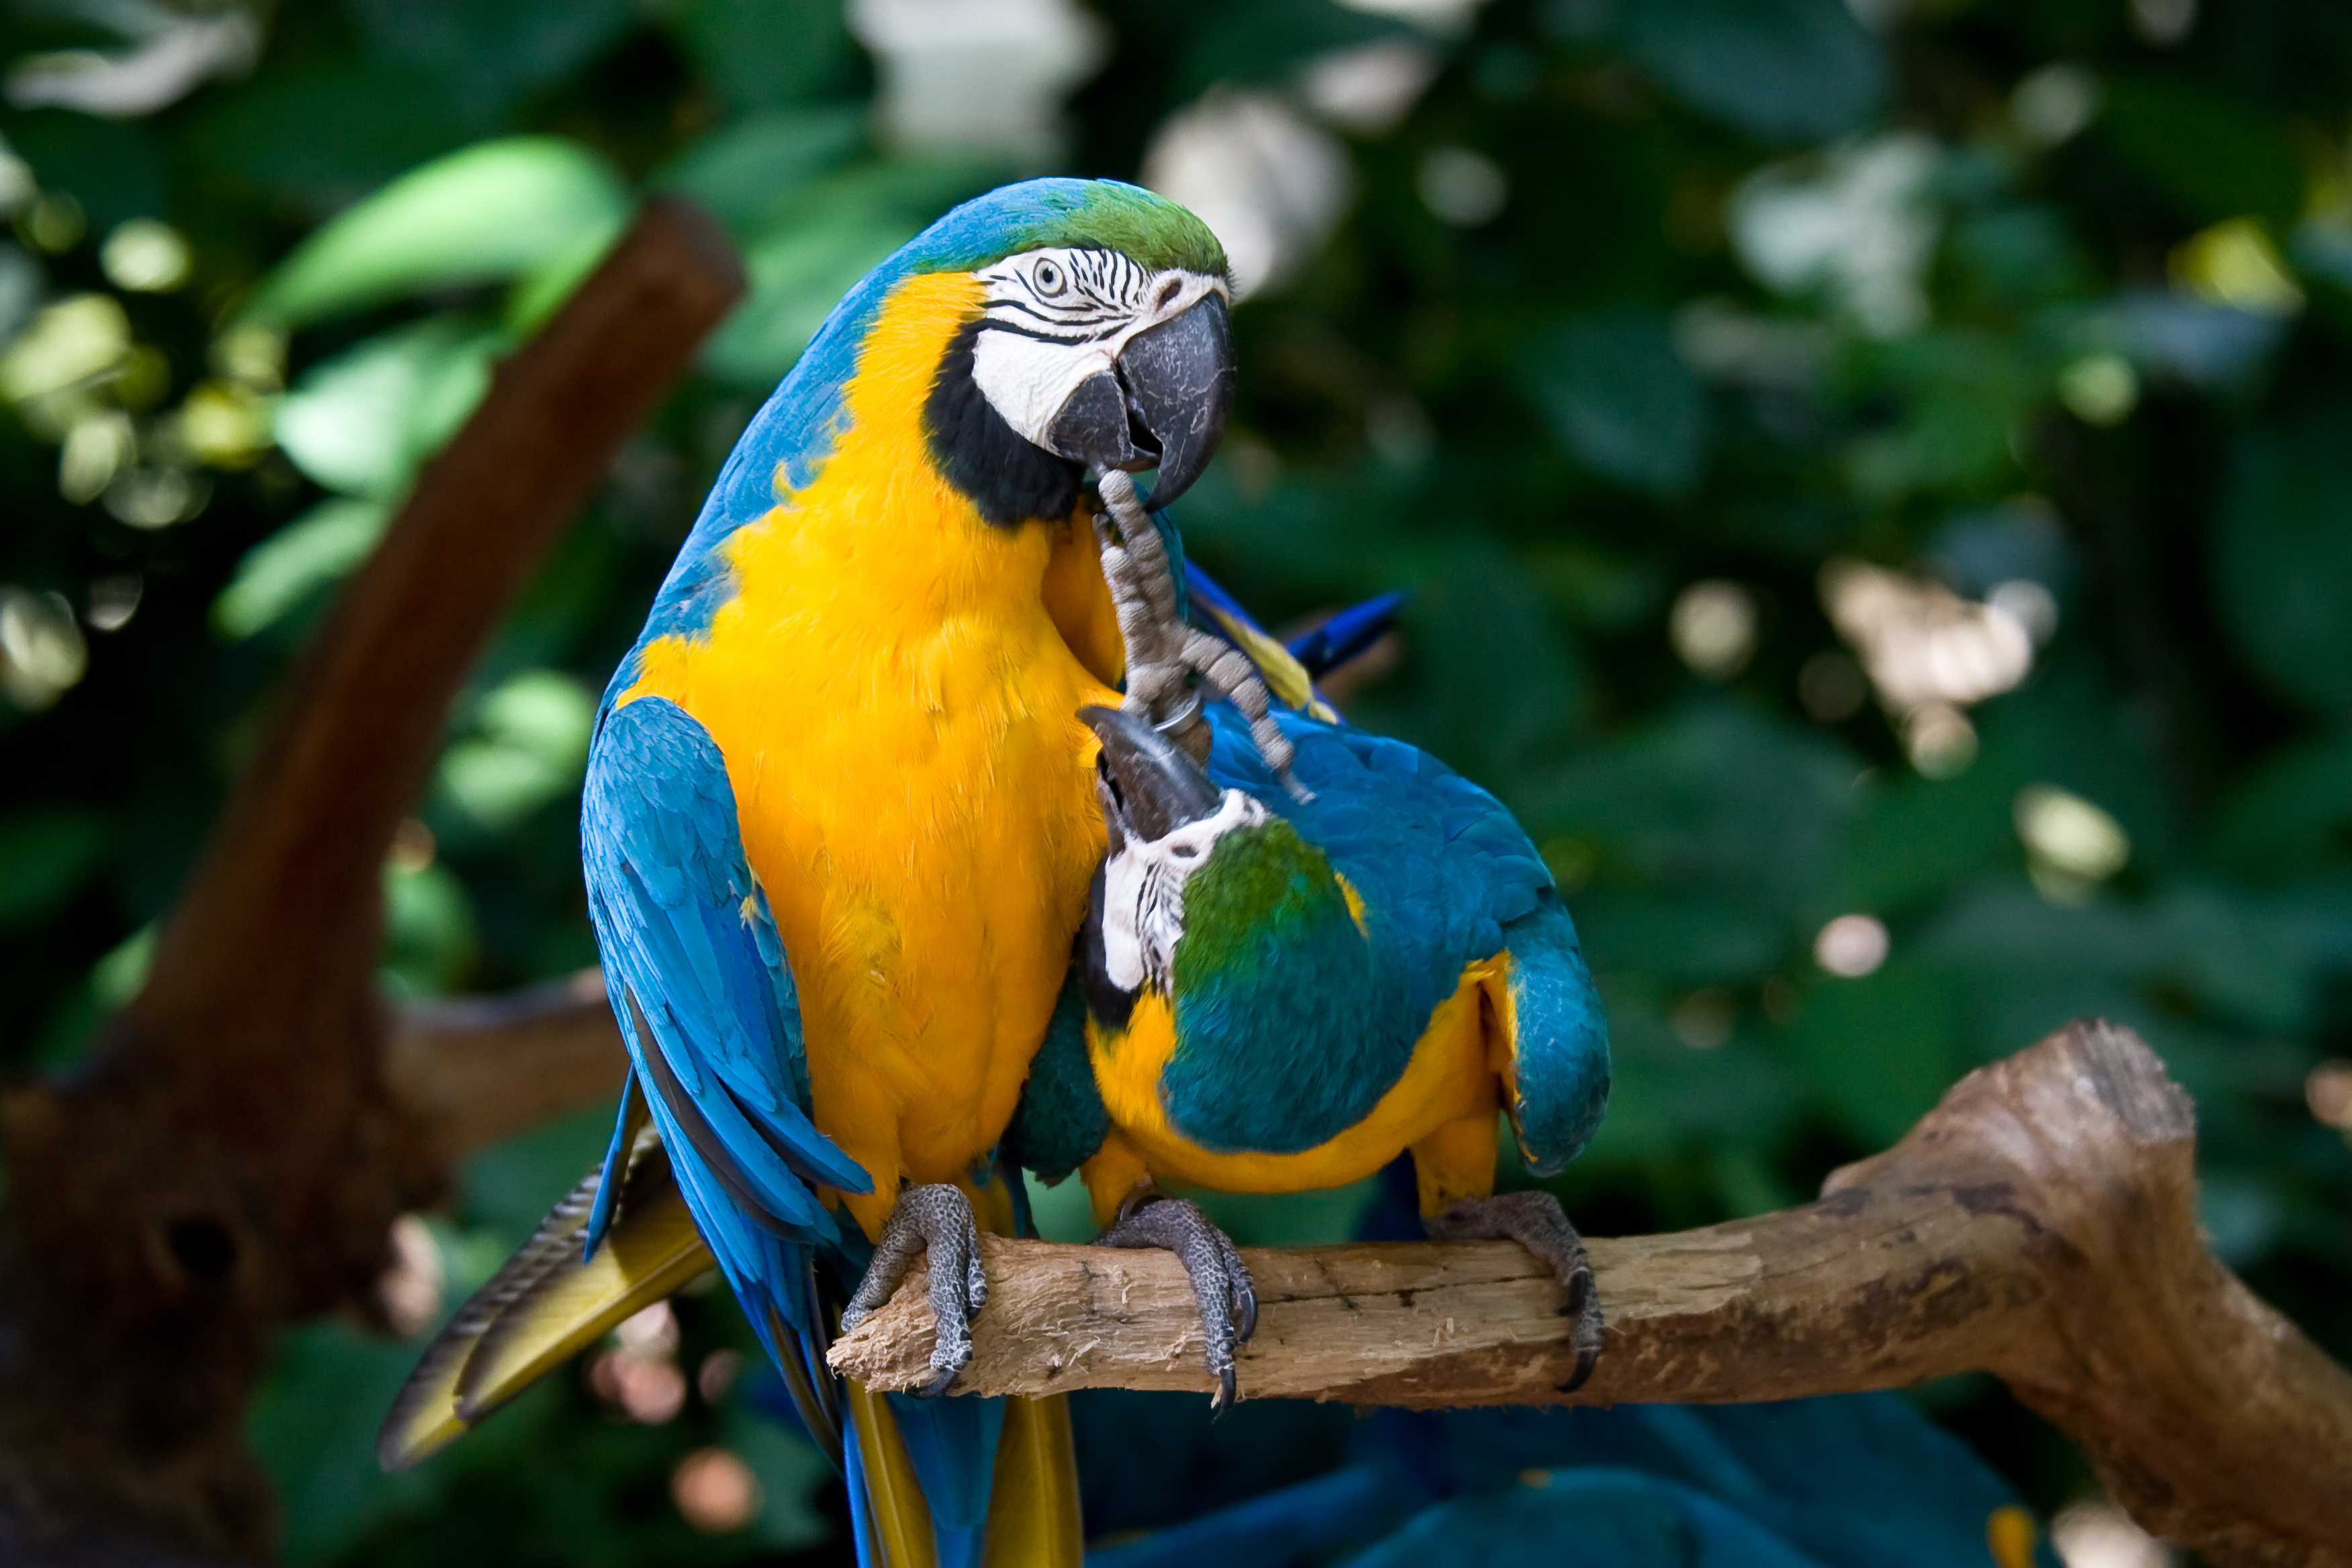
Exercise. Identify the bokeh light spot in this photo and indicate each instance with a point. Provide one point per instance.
(715, 1491)
(1851, 945)
(145, 257)
(1712, 628)
(1462, 187)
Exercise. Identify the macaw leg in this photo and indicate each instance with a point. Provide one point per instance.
(1536, 1222)
(1220, 1281)
(936, 1220)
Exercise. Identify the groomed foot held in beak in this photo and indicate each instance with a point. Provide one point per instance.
(1164, 654)
(1220, 1281)
(1536, 1222)
(936, 1220)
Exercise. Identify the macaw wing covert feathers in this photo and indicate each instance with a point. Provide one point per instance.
(1440, 864)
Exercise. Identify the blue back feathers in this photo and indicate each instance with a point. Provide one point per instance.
(1447, 878)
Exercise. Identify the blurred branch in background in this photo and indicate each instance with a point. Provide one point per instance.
(2040, 1224)
(475, 1070)
(231, 1157)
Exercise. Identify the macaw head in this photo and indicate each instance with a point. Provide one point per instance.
(1102, 342)
(1203, 888)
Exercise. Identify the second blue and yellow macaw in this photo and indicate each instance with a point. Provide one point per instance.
(1287, 989)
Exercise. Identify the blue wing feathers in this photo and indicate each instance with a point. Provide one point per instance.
(1440, 863)
(706, 1003)
(1448, 879)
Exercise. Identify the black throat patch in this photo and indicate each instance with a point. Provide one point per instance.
(1009, 479)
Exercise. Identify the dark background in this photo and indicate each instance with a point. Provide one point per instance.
(1606, 341)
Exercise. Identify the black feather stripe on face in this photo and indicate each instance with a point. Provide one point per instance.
(1009, 478)
(1110, 1006)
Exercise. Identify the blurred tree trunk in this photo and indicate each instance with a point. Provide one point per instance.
(231, 1156)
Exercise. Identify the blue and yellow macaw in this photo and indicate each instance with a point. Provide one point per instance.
(839, 824)
(1286, 989)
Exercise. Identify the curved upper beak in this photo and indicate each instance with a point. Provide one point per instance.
(1151, 786)
(1163, 404)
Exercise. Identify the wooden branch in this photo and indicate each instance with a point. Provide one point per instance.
(2040, 1224)
(232, 1157)
(475, 1070)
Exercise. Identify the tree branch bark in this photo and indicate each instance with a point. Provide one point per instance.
(232, 1157)
(2039, 1224)
(474, 1071)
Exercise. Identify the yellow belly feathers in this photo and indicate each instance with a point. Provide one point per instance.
(894, 687)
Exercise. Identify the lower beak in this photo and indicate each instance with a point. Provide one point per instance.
(1165, 408)
(1153, 784)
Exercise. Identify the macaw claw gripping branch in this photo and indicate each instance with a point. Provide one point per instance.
(2039, 1224)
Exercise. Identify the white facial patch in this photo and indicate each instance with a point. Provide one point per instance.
(1143, 892)
(1055, 316)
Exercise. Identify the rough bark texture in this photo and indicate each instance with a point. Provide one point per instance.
(2040, 1224)
(231, 1158)
(474, 1071)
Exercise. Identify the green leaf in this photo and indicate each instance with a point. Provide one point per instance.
(2216, 154)
(1715, 799)
(284, 571)
(361, 421)
(822, 241)
(759, 54)
(2284, 557)
(47, 853)
(1916, 837)
(429, 934)
(1622, 401)
(362, 122)
(2290, 813)
(1680, 941)
(491, 52)
(745, 172)
(1779, 70)
(110, 166)
(533, 747)
(312, 1425)
(478, 215)
(1663, 1096)
(1501, 686)
(1880, 1050)
(1266, 40)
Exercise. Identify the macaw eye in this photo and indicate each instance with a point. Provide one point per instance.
(1184, 852)
(1048, 278)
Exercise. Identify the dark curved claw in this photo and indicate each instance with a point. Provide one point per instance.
(1220, 1281)
(1536, 1222)
(936, 1220)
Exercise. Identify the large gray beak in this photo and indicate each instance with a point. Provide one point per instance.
(1151, 786)
(1164, 408)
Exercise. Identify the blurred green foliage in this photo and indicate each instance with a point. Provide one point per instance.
(1618, 323)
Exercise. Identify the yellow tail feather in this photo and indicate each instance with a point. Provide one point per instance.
(1033, 1506)
(544, 1305)
(900, 1518)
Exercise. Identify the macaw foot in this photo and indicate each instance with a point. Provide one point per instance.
(1164, 654)
(936, 1220)
(1220, 1281)
(1535, 1221)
